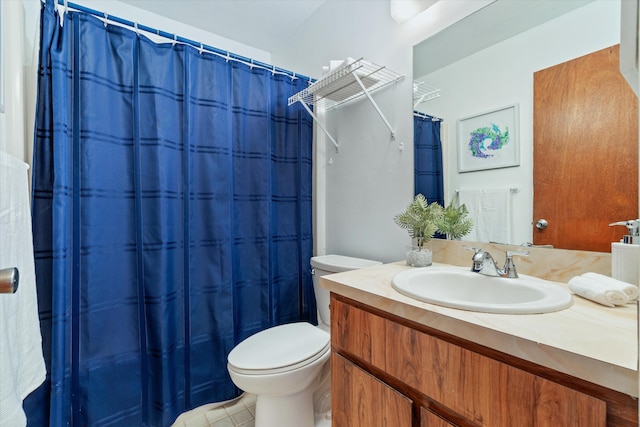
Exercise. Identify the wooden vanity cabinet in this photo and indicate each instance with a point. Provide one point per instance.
(387, 371)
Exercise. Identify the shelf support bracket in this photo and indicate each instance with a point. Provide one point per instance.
(366, 92)
(426, 97)
(324, 129)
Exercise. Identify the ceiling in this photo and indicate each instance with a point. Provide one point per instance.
(263, 24)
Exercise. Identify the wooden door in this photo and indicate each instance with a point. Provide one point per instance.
(585, 152)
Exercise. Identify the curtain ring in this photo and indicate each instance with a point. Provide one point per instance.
(61, 13)
(175, 39)
(106, 19)
(228, 56)
(135, 25)
(201, 48)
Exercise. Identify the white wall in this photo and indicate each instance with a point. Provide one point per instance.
(13, 129)
(502, 75)
(361, 188)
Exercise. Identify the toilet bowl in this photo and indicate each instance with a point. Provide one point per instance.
(281, 366)
(286, 366)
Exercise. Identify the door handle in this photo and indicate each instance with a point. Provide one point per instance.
(541, 224)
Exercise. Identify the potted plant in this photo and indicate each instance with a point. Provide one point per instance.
(420, 221)
(454, 222)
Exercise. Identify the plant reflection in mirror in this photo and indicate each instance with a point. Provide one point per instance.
(454, 221)
(423, 219)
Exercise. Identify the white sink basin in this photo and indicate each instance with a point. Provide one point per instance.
(460, 288)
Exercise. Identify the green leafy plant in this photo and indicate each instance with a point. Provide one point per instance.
(423, 219)
(420, 219)
(454, 222)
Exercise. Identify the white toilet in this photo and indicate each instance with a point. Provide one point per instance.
(286, 366)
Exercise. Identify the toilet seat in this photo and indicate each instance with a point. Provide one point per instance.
(279, 349)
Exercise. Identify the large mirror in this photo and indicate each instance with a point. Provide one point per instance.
(498, 50)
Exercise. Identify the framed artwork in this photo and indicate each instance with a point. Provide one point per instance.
(489, 140)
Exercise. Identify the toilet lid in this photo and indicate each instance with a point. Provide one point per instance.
(340, 263)
(280, 348)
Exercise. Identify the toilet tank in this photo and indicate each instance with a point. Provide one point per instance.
(330, 264)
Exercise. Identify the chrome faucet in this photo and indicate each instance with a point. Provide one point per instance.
(484, 263)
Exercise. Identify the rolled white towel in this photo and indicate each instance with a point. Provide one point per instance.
(627, 288)
(597, 291)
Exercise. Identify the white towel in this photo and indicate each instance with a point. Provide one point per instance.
(22, 367)
(630, 290)
(598, 291)
(490, 211)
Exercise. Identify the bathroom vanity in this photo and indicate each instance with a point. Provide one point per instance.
(401, 362)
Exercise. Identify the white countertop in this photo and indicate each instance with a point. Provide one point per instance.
(589, 341)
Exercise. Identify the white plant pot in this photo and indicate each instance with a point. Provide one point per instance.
(419, 256)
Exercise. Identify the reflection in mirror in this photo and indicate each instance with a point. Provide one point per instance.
(572, 120)
(497, 70)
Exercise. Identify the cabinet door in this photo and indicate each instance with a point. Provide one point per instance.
(485, 391)
(429, 419)
(359, 399)
(480, 389)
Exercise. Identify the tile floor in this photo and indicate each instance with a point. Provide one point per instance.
(235, 413)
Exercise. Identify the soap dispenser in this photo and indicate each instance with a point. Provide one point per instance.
(625, 255)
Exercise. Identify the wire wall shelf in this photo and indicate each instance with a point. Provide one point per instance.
(342, 86)
(347, 83)
(422, 92)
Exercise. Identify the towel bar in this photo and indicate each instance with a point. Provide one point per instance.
(9, 279)
(513, 190)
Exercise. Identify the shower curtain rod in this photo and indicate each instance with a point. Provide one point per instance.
(178, 39)
(427, 116)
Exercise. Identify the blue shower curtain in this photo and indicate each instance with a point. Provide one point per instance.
(428, 176)
(172, 219)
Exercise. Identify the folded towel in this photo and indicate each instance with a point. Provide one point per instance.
(597, 291)
(627, 288)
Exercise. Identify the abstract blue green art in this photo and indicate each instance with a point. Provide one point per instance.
(486, 140)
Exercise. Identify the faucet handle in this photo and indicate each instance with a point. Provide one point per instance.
(511, 254)
(478, 254)
(509, 269)
(469, 248)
